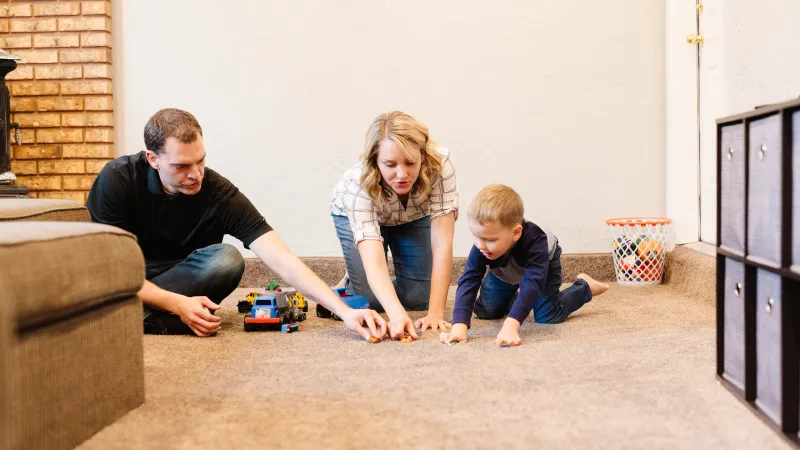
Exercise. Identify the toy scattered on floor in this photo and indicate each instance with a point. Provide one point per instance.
(406, 339)
(273, 311)
(289, 328)
(299, 301)
(273, 285)
(373, 340)
(349, 299)
(453, 342)
(503, 344)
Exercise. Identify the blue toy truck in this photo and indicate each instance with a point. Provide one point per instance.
(273, 312)
(349, 298)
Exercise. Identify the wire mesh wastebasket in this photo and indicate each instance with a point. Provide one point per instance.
(639, 247)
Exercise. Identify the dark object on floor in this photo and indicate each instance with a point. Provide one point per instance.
(160, 322)
(323, 312)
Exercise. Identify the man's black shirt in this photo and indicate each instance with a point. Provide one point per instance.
(128, 194)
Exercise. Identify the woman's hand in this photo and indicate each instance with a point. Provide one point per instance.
(402, 326)
(365, 322)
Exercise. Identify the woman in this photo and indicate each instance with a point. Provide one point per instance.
(401, 196)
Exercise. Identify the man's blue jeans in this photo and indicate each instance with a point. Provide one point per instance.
(496, 296)
(213, 272)
(412, 256)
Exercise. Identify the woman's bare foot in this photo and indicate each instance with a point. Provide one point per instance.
(596, 287)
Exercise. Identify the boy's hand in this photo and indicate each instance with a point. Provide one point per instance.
(509, 334)
(433, 322)
(457, 334)
(365, 322)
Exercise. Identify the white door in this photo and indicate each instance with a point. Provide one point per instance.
(711, 108)
(683, 143)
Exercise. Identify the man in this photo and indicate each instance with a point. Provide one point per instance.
(180, 210)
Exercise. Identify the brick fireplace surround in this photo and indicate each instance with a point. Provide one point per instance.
(61, 93)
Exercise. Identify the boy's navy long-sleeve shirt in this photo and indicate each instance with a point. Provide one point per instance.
(525, 264)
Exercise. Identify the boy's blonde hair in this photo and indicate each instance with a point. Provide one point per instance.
(497, 203)
(408, 134)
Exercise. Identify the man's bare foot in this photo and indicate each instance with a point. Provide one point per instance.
(341, 282)
(596, 287)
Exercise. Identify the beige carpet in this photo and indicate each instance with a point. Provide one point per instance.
(632, 369)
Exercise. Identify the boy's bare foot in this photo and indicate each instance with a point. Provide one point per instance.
(596, 287)
(341, 282)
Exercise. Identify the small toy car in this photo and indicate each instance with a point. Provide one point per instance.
(289, 328)
(299, 301)
(349, 298)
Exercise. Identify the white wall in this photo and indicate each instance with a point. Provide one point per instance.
(564, 101)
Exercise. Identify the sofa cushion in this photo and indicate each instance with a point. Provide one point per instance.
(52, 270)
(40, 209)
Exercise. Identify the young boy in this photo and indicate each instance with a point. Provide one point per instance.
(524, 271)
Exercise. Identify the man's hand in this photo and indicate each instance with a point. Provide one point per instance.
(400, 325)
(365, 322)
(432, 321)
(194, 312)
(509, 334)
(457, 334)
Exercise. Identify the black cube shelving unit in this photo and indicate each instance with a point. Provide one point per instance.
(758, 262)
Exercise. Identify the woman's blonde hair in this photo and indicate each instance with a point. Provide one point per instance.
(408, 134)
(497, 203)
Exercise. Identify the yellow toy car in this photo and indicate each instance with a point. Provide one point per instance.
(299, 301)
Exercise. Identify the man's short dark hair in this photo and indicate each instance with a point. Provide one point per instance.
(168, 123)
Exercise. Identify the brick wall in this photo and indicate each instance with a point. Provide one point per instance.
(61, 93)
